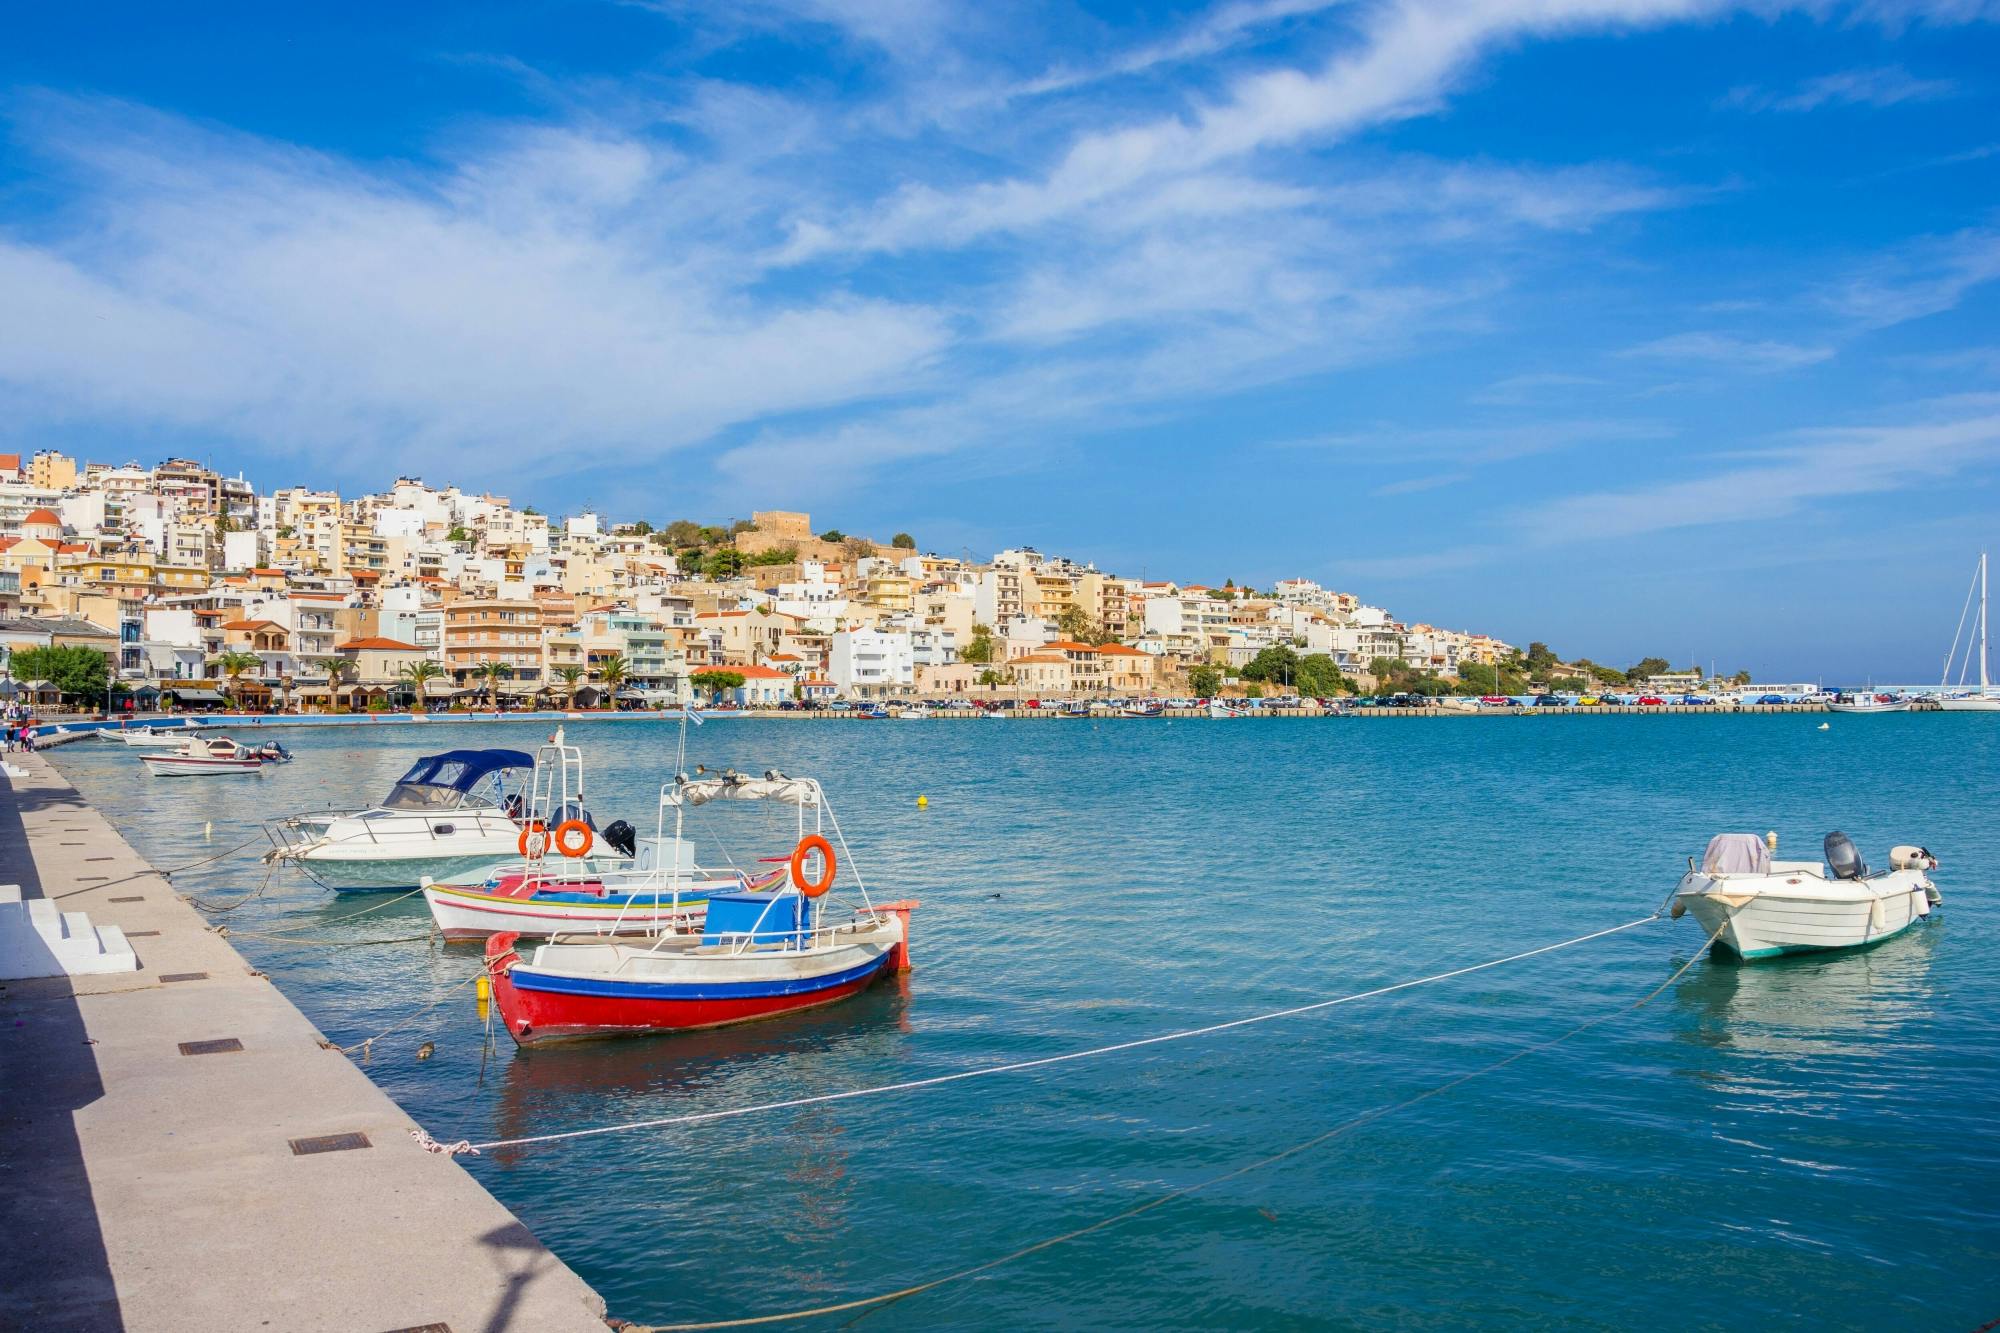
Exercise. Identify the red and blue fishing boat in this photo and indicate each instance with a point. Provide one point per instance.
(756, 953)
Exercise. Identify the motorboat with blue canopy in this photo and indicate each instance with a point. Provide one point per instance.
(453, 813)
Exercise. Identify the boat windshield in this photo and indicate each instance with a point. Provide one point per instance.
(455, 778)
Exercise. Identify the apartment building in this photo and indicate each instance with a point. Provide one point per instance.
(478, 631)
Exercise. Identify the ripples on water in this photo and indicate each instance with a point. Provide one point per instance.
(1808, 1140)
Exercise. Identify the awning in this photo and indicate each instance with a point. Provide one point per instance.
(773, 786)
(196, 696)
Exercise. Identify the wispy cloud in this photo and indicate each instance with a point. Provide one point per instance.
(1884, 86)
(1518, 390)
(1923, 277)
(1726, 352)
(1418, 485)
(1482, 444)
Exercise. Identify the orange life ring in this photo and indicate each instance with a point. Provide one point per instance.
(563, 831)
(812, 888)
(533, 828)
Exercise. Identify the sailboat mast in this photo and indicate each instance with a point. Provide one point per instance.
(1982, 623)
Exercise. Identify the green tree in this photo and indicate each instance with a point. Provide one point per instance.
(980, 649)
(715, 681)
(742, 525)
(420, 674)
(991, 679)
(903, 541)
(1646, 668)
(1569, 685)
(682, 532)
(833, 535)
(1279, 665)
(725, 563)
(1741, 678)
(1075, 623)
(777, 555)
(234, 665)
(641, 529)
(458, 534)
(570, 676)
(493, 673)
(77, 673)
(1204, 680)
(1541, 659)
(1320, 678)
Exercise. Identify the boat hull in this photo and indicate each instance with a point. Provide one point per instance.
(1974, 705)
(465, 912)
(174, 766)
(1771, 925)
(539, 1007)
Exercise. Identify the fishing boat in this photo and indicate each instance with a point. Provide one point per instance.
(757, 953)
(214, 756)
(1143, 710)
(452, 815)
(1958, 699)
(1868, 703)
(1217, 708)
(161, 737)
(1757, 907)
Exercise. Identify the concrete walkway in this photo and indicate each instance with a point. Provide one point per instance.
(145, 1188)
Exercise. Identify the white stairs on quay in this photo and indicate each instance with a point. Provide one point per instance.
(38, 940)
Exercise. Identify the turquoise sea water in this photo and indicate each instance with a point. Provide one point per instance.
(1808, 1140)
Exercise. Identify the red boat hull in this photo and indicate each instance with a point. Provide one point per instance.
(536, 1017)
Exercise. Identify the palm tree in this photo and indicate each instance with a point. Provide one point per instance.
(337, 669)
(493, 673)
(420, 674)
(570, 675)
(612, 671)
(233, 664)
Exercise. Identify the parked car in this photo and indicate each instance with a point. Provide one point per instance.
(1772, 699)
(1551, 701)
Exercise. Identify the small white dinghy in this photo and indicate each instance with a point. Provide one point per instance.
(214, 756)
(1756, 907)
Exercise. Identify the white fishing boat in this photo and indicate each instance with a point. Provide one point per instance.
(1868, 702)
(1217, 708)
(1757, 907)
(451, 815)
(214, 756)
(1958, 698)
(160, 737)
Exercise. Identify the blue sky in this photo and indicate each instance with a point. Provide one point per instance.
(1638, 326)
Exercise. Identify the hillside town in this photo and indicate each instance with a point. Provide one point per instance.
(199, 589)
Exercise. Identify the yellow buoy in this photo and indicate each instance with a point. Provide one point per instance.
(923, 803)
(483, 987)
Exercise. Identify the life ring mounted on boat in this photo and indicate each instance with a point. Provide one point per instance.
(812, 888)
(535, 835)
(566, 847)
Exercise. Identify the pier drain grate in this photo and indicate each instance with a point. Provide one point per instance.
(98, 858)
(423, 1328)
(140, 934)
(329, 1143)
(91, 879)
(218, 1046)
(139, 898)
(183, 976)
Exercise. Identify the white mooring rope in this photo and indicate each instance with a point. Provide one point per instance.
(1018, 1066)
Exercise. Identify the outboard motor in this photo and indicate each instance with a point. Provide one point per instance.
(621, 836)
(1842, 858)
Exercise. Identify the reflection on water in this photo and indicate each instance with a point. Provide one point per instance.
(1810, 1004)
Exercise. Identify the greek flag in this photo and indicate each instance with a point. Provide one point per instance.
(688, 713)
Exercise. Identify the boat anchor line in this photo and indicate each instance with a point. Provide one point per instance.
(462, 1147)
(882, 1300)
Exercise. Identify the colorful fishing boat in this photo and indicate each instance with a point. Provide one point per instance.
(758, 952)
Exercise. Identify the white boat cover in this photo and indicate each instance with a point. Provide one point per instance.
(1736, 854)
(773, 786)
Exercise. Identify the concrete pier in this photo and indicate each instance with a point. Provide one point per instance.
(177, 1151)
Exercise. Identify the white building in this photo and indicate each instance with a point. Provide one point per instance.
(868, 663)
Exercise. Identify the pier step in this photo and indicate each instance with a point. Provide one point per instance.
(38, 940)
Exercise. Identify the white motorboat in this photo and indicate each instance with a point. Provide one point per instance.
(161, 737)
(451, 815)
(1757, 907)
(1217, 708)
(1958, 699)
(214, 756)
(1868, 703)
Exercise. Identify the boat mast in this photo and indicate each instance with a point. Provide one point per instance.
(1982, 624)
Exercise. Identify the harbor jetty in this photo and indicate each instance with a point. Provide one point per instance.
(179, 1149)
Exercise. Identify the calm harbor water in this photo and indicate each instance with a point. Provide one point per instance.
(1808, 1140)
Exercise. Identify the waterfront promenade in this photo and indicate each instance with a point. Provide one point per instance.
(147, 1185)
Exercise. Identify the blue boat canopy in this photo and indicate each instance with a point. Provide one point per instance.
(441, 779)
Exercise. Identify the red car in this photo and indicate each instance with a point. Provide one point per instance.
(1034, 703)
(1651, 701)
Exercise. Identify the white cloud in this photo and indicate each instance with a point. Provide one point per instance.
(1724, 351)
(1924, 277)
(1883, 86)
